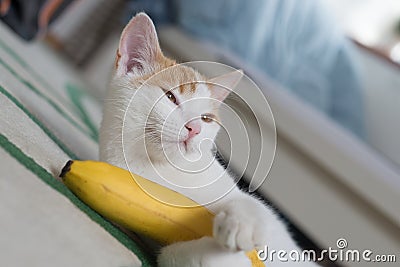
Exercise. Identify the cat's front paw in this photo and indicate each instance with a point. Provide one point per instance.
(242, 225)
(203, 252)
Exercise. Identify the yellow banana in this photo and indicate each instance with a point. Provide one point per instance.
(112, 192)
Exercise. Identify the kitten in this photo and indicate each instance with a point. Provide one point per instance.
(160, 125)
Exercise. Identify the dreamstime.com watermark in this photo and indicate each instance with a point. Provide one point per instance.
(341, 253)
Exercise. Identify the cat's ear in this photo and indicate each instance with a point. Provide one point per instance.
(138, 46)
(221, 86)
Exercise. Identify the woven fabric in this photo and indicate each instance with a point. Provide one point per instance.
(46, 119)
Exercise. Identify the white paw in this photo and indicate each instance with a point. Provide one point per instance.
(242, 225)
(204, 252)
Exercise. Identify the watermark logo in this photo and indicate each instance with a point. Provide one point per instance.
(339, 254)
(341, 243)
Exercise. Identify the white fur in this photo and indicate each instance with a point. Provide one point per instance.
(242, 222)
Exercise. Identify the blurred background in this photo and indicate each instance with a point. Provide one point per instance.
(330, 70)
(341, 57)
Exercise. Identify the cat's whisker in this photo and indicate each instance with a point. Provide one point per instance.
(163, 125)
(136, 139)
(114, 99)
(165, 132)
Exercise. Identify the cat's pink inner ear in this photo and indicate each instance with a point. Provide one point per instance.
(138, 47)
(221, 86)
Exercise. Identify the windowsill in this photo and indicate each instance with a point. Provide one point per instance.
(377, 52)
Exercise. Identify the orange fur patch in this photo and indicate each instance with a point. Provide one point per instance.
(179, 77)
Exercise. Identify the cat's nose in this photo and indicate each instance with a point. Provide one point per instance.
(193, 127)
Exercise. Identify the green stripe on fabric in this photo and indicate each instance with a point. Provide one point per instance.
(76, 94)
(12, 53)
(47, 99)
(46, 177)
(25, 65)
(39, 123)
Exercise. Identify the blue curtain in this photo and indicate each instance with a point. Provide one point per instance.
(295, 42)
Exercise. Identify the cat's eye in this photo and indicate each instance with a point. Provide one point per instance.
(171, 96)
(207, 117)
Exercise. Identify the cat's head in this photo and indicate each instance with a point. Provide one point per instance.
(174, 107)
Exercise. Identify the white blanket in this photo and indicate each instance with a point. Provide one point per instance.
(46, 119)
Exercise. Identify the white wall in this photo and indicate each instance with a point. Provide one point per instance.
(382, 103)
(371, 22)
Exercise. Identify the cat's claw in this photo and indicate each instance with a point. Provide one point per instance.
(241, 225)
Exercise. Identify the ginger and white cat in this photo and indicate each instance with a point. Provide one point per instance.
(158, 116)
